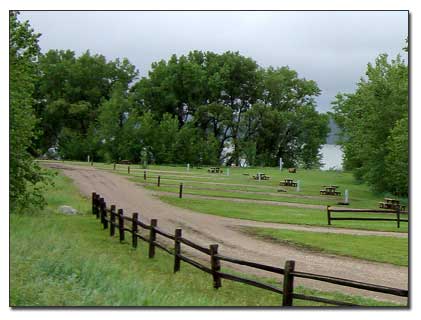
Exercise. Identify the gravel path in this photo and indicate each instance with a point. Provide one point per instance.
(206, 229)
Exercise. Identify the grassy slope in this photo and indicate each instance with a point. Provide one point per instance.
(373, 248)
(280, 214)
(58, 260)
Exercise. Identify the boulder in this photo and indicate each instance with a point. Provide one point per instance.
(67, 210)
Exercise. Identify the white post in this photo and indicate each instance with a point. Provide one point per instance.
(88, 158)
(188, 167)
(228, 172)
(298, 186)
(280, 164)
(346, 196)
(259, 176)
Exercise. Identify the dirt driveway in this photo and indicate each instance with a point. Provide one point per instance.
(207, 229)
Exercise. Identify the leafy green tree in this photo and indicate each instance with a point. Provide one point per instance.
(70, 91)
(165, 139)
(192, 147)
(397, 158)
(25, 176)
(113, 115)
(367, 119)
(284, 123)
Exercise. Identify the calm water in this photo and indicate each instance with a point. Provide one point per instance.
(332, 156)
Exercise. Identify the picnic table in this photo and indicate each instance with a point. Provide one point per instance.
(330, 191)
(261, 176)
(215, 170)
(390, 203)
(288, 183)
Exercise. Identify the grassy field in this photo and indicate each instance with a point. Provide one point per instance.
(373, 248)
(311, 181)
(280, 214)
(59, 260)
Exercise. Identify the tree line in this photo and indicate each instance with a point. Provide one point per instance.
(189, 109)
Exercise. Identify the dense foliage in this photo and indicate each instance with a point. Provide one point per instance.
(374, 123)
(24, 174)
(202, 108)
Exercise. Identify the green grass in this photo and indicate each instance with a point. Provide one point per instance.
(59, 260)
(360, 195)
(252, 196)
(281, 214)
(374, 248)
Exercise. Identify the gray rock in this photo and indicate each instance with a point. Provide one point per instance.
(67, 210)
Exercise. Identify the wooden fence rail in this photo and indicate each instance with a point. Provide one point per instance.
(108, 219)
(398, 213)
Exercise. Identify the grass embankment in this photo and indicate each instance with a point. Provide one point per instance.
(280, 214)
(59, 260)
(373, 248)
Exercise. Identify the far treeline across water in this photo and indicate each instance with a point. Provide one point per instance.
(201, 108)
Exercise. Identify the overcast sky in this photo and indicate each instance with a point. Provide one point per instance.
(332, 48)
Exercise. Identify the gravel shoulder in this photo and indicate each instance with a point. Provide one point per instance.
(207, 229)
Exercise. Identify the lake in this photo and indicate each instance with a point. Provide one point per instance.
(331, 157)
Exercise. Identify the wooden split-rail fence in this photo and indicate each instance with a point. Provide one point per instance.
(113, 219)
(397, 211)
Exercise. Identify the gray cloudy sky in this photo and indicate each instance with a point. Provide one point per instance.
(332, 48)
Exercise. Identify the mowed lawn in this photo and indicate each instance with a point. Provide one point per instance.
(374, 248)
(281, 214)
(60, 260)
(311, 181)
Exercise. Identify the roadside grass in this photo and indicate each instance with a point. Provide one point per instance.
(60, 260)
(281, 214)
(374, 248)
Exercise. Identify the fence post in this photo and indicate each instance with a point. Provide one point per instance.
(180, 194)
(101, 200)
(398, 216)
(97, 205)
(288, 290)
(114, 166)
(134, 229)
(215, 265)
(103, 212)
(159, 181)
(120, 224)
(152, 238)
(144, 175)
(128, 169)
(93, 202)
(177, 249)
(328, 215)
(112, 220)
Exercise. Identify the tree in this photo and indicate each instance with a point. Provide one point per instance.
(25, 176)
(397, 159)
(69, 93)
(368, 118)
(284, 123)
(111, 131)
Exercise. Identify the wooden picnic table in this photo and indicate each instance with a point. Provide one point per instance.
(288, 183)
(392, 204)
(261, 176)
(330, 191)
(214, 170)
